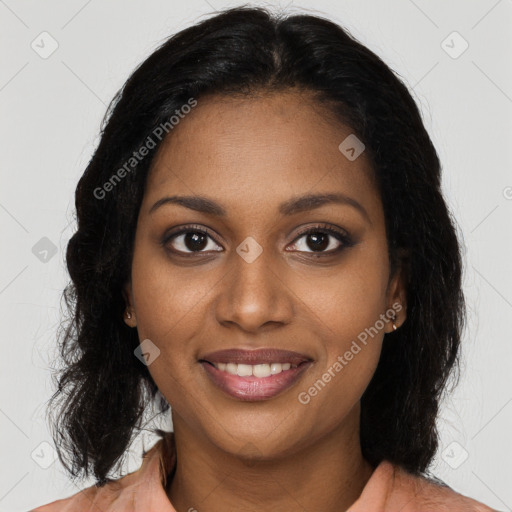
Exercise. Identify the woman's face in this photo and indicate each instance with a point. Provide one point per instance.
(254, 280)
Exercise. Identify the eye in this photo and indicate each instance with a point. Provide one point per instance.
(190, 239)
(322, 240)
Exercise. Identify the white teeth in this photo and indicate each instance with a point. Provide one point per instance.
(244, 370)
(257, 370)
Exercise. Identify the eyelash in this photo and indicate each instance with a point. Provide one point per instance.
(325, 229)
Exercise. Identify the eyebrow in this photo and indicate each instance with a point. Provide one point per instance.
(292, 206)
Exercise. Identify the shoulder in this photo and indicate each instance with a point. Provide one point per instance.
(391, 488)
(139, 491)
(91, 498)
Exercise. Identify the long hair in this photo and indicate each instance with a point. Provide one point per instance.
(103, 389)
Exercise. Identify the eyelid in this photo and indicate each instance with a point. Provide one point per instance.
(324, 226)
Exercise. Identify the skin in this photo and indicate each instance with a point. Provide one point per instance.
(251, 155)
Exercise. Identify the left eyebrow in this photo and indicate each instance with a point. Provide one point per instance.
(292, 206)
(313, 201)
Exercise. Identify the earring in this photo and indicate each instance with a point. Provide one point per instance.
(393, 324)
(128, 314)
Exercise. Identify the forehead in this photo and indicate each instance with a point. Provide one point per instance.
(258, 150)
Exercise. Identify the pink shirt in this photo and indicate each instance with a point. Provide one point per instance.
(389, 489)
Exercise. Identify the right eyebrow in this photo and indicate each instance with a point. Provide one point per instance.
(197, 203)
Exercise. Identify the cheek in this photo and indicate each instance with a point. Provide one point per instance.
(170, 312)
(350, 299)
(347, 308)
(347, 359)
(168, 302)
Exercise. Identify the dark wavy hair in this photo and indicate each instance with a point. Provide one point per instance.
(103, 389)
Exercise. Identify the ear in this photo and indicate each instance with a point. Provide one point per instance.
(397, 291)
(127, 293)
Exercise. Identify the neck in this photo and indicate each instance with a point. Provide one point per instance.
(327, 475)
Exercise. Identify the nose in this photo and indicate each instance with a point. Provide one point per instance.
(254, 294)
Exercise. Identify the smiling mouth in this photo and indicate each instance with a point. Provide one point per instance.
(251, 383)
(252, 375)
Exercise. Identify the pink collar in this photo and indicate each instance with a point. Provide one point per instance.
(389, 489)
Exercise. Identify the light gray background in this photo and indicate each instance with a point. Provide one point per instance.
(50, 114)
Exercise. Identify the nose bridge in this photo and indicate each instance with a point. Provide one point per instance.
(254, 294)
(252, 267)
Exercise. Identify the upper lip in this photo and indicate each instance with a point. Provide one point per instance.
(252, 357)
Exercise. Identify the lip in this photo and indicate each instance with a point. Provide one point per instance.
(254, 388)
(259, 356)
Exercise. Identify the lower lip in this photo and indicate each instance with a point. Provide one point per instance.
(254, 388)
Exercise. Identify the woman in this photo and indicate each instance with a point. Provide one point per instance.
(262, 239)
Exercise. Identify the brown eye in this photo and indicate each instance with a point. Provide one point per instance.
(188, 241)
(322, 240)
